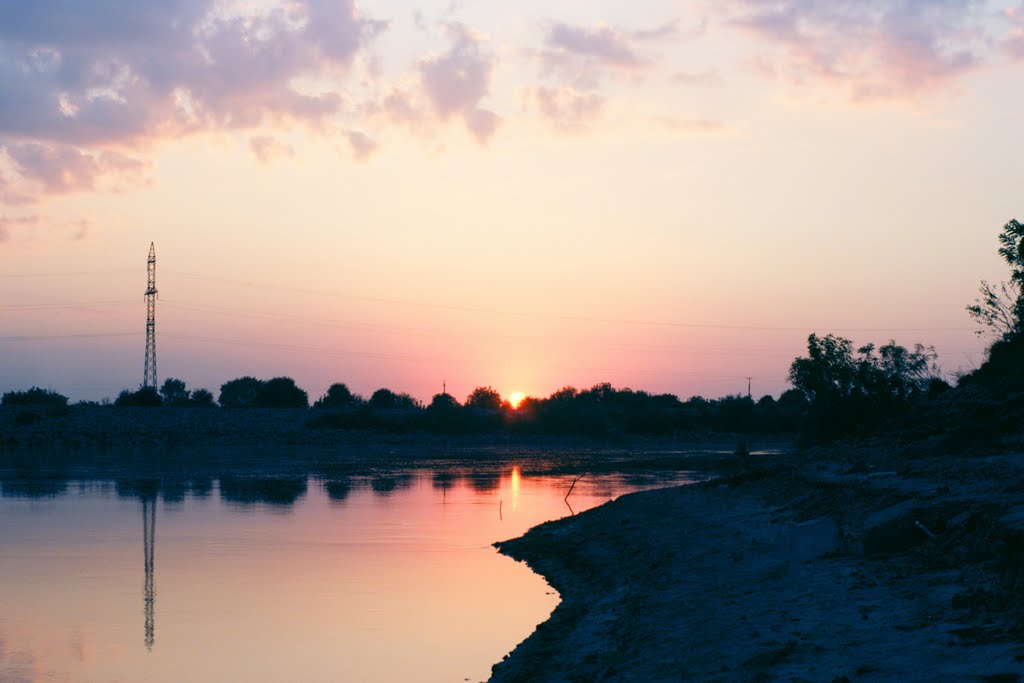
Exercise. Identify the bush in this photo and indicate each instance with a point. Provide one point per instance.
(337, 396)
(850, 394)
(202, 398)
(34, 397)
(144, 397)
(27, 417)
(249, 392)
(280, 392)
(174, 392)
(239, 393)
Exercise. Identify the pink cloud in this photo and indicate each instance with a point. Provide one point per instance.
(583, 57)
(8, 223)
(576, 61)
(78, 89)
(456, 81)
(59, 169)
(361, 144)
(669, 29)
(1013, 42)
(567, 109)
(602, 43)
(267, 148)
(875, 48)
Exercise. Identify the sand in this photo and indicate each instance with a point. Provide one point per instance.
(788, 570)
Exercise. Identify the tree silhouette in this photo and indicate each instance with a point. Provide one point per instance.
(850, 393)
(280, 392)
(337, 396)
(828, 371)
(174, 392)
(382, 399)
(485, 398)
(445, 415)
(1000, 308)
(144, 397)
(996, 310)
(443, 402)
(385, 399)
(34, 397)
(202, 398)
(239, 393)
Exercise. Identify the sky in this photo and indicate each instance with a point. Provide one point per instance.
(660, 194)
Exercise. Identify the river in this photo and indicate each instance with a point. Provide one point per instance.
(389, 577)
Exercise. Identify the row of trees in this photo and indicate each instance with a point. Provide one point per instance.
(171, 393)
(856, 392)
(850, 392)
(600, 410)
(838, 390)
(835, 392)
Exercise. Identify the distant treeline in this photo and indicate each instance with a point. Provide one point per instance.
(839, 390)
(600, 410)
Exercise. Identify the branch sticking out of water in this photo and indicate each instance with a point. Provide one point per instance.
(571, 487)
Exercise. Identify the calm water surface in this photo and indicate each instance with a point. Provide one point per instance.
(386, 578)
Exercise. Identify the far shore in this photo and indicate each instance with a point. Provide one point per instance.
(102, 433)
(824, 566)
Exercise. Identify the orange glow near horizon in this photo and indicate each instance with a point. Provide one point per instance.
(515, 398)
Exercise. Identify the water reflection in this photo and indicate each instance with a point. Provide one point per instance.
(385, 484)
(338, 489)
(443, 479)
(34, 486)
(149, 550)
(333, 590)
(168, 489)
(485, 480)
(282, 492)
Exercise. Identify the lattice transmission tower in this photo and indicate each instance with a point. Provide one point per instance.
(149, 373)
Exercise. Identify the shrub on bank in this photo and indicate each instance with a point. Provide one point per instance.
(35, 397)
(144, 397)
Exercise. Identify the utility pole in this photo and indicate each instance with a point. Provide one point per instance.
(149, 372)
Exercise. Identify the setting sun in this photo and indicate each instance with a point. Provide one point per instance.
(515, 398)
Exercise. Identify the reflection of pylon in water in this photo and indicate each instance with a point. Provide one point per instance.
(148, 543)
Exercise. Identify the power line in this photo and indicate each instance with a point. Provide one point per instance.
(67, 305)
(264, 315)
(52, 337)
(578, 318)
(617, 346)
(70, 273)
(292, 347)
(485, 310)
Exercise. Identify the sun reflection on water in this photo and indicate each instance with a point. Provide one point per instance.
(515, 487)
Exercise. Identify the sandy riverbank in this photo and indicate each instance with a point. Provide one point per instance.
(791, 569)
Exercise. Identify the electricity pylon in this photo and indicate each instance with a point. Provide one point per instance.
(149, 372)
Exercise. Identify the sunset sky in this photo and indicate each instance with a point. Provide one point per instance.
(664, 195)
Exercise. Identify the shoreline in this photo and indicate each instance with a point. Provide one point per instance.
(787, 569)
(106, 427)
